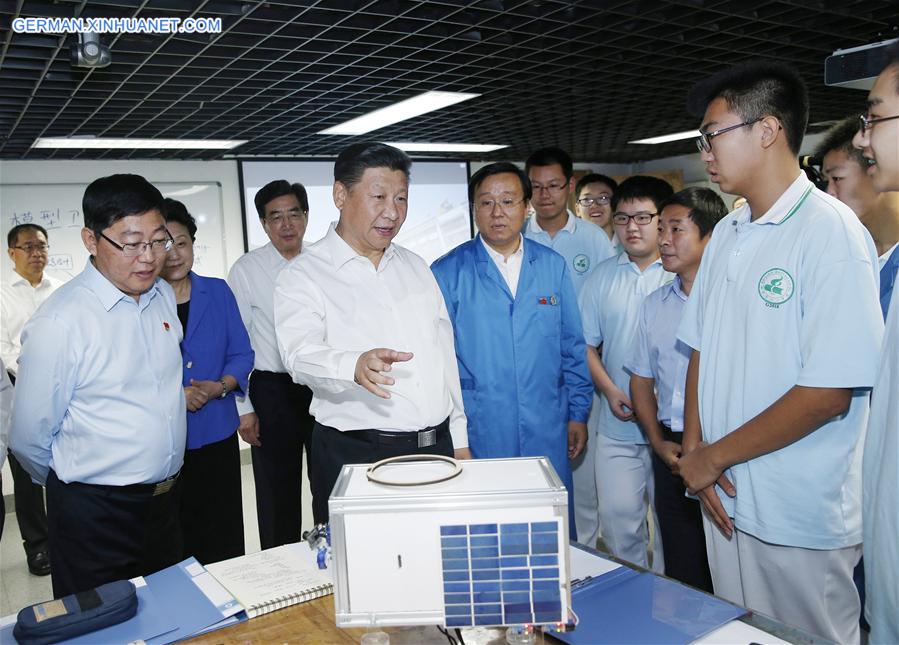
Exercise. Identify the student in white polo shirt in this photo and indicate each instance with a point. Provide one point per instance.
(785, 325)
(610, 302)
(658, 369)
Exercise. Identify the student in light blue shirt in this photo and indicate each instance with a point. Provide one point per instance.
(877, 141)
(609, 305)
(658, 369)
(785, 325)
(99, 413)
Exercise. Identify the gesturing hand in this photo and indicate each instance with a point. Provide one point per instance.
(371, 366)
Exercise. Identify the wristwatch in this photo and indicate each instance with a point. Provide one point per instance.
(224, 388)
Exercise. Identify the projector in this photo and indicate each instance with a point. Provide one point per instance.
(89, 52)
(857, 67)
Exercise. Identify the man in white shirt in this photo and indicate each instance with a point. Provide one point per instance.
(27, 288)
(877, 139)
(362, 322)
(785, 326)
(275, 417)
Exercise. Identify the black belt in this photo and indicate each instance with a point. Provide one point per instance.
(669, 435)
(159, 488)
(424, 438)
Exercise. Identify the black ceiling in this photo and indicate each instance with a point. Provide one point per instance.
(585, 75)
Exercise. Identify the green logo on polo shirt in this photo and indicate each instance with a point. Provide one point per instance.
(581, 263)
(776, 287)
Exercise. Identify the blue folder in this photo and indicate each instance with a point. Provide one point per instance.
(627, 606)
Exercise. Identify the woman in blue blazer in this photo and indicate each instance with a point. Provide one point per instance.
(217, 359)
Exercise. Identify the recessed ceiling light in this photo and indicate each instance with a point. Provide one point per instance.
(445, 147)
(665, 138)
(415, 106)
(137, 144)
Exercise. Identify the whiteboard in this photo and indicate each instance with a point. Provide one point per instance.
(57, 207)
(438, 218)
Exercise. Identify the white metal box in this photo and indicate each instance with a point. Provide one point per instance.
(488, 547)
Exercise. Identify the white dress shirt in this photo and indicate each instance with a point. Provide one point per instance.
(252, 279)
(20, 300)
(509, 267)
(99, 397)
(332, 305)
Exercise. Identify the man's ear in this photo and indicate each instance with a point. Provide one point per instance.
(340, 194)
(771, 130)
(89, 240)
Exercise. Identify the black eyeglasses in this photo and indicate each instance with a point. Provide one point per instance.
(704, 140)
(136, 249)
(623, 219)
(867, 122)
(33, 248)
(600, 200)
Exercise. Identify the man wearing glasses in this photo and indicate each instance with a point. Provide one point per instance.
(785, 327)
(21, 296)
(877, 138)
(275, 417)
(518, 336)
(99, 412)
(610, 305)
(551, 173)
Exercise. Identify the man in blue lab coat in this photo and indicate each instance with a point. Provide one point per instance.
(519, 341)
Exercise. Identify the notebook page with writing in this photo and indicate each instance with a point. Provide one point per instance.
(273, 579)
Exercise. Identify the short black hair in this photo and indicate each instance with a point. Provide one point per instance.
(109, 199)
(280, 188)
(13, 236)
(550, 157)
(496, 169)
(354, 160)
(705, 205)
(839, 137)
(176, 211)
(756, 89)
(594, 178)
(642, 187)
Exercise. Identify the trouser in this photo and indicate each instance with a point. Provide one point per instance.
(624, 483)
(285, 429)
(101, 534)
(211, 504)
(586, 500)
(30, 512)
(333, 449)
(680, 524)
(811, 589)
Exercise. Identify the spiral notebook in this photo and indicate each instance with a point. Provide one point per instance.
(273, 579)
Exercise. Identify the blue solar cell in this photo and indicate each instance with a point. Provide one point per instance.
(513, 528)
(517, 574)
(486, 596)
(483, 540)
(457, 610)
(454, 554)
(545, 538)
(458, 621)
(544, 527)
(456, 529)
(544, 560)
(514, 561)
(492, 619)
(456, 576)
(485, 552)
(454, 542)
(484, 563)
(546, 595)
(485, 586)
(457, 598)
(475, 529)
(515, 549)
(493, 608)
(545, 584)
(549, 572)
(485, 574)
(513, 538)
(522, 618)
(522, 597)
(456, 587)
(547, 616)
(516, 585)
(455, 565)
(555, 605)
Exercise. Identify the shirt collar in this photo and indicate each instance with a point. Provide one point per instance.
(341, 252)
(674, 287)
(623, 259)
(785, 206)
(499, 257)
(570, 225)
(107, 293)
(18, 279)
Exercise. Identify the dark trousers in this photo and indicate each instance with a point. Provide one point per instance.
(211, 505)
(680, 523)
(334, 449)
(285, 428)
(30, 512)
(100, 534)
